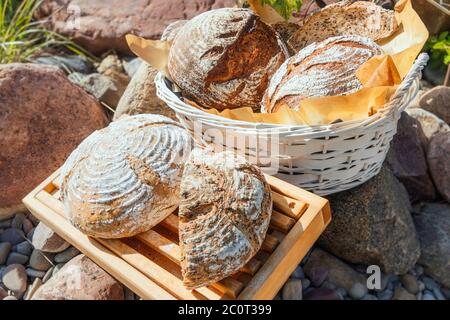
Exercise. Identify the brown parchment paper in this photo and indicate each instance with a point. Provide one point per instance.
(379, 76)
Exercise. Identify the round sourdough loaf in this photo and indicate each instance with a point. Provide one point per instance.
(225, 211)
(327, 68)
(224, 58)
(125, 179)
(362, 18)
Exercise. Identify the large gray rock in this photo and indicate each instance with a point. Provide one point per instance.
(99, 27)
(106, 88)
(437, 101)
(433, 227)
(407, 159)
(140, 95)
(372, 225)
(439, 163)
(430, 123)
(80, 279)
(68, 64)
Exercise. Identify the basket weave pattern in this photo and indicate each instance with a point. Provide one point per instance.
(322, 158)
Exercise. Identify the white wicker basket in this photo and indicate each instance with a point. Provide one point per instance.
(324, 158)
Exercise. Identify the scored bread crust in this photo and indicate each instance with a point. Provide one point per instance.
(224, 213)
(224, 58)
(124, 179)
(322, 69)
(360, 18)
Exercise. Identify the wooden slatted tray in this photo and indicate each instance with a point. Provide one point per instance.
(149, 263)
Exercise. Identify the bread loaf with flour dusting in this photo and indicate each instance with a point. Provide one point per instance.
(224, 212)
(124, 179)
(345, 18)
(224, 58)
(327, 68)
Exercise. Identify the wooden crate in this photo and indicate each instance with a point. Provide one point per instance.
(149, 263)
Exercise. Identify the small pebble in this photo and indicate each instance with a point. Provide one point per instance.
(3, 293)
(298, 273)
(15, 278)
(16, 258)
(438, 294)
(13, 236)
(33, 219)
(421, 285)
(430, 284)
(292, 290)
(357, 291)
(35, 273)
(385, 295)
(446, 293)
(27, 226)
(48, 275)
(428, 296)
(328, 284)
(24, 248)
(30, 234)
(305, 284)
(419, 270)
(403, 294)
(342, 292)
(369, 297)
(17, 221)
(317, 276)
(40, 261)
(5, 248)
(322, 294)
(410, 283)
(66, 255)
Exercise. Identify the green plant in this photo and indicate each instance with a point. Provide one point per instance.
(21, 38)
(439, 47)
(284, 7)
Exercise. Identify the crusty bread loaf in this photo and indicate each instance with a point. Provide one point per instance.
(224, 58)
(124, 179)
(285, 29)
(327, 68)
(172, 29)
(362, 18)
(224, 214)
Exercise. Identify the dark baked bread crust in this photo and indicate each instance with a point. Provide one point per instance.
(361, 18)
(224, 58)
(224, 212)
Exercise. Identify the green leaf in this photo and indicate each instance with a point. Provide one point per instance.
(439, 47)
(284, 7)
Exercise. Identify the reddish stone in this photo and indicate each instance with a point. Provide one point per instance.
(43, 117)
(100, 27)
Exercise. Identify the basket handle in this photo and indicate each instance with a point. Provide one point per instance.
(404, 95)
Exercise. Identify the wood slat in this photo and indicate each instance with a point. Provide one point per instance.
(172, 251)
(281, 222)
(291, 207)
